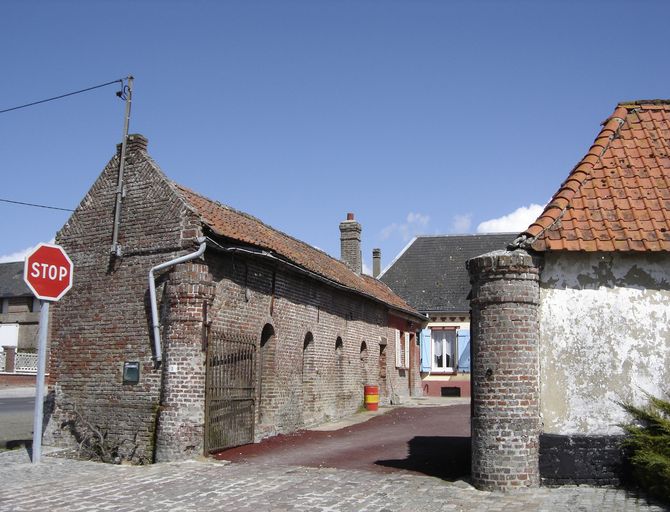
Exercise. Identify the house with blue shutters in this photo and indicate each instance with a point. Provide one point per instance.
(430, 275)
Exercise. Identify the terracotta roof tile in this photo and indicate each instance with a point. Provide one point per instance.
(243, 229)
(617, 198)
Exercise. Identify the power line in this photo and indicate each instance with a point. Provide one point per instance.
(63, 95)
(36, 205)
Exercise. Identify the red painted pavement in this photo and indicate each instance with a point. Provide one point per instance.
(427, 440)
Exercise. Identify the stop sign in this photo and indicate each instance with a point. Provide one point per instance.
(48, 272)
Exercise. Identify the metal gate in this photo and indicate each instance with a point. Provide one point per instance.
(230, 392)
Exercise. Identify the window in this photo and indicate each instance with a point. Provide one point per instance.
(443, 350)
(401, 349)
(406, 351)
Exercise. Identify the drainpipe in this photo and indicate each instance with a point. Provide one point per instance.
(158, 355)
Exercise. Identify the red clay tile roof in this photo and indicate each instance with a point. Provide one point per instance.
(618, 197)
(241, 227)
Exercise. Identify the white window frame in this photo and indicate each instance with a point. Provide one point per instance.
(398, 350)
(402, 348)
(454, 350)
(406, 350)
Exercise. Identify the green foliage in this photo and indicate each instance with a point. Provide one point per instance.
(648, 442)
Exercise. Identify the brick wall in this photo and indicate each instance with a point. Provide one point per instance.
(104, 321)
(303, 383)
(505, 370)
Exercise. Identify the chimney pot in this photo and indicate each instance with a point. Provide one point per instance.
(376, 262)
(350, 216)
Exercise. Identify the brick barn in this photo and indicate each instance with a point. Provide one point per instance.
(253, 333)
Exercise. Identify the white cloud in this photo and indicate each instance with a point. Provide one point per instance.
(19, 255)
(514, 222)
(414, 224)
(366, 269)
(461, 223)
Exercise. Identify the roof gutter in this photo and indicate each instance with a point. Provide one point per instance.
(330, 282)
(158, 355)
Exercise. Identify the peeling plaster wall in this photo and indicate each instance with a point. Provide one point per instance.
(604, 336)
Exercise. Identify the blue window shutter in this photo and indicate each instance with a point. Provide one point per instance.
(463, 350)
(425, 350)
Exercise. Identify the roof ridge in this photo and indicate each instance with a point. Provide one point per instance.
(640, 103)
(559, 203)
(463, 235)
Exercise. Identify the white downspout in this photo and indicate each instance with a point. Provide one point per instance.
(158, 355)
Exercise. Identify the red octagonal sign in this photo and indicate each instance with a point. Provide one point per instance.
(48, 272)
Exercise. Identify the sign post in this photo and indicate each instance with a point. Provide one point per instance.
(48, 274)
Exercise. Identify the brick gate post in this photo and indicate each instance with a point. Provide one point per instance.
(505, 370)
(181, 415)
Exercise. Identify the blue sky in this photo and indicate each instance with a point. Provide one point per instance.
(422, 117)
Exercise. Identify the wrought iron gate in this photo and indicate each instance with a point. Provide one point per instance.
(230, 392)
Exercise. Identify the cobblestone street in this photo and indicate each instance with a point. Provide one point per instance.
(63, 484)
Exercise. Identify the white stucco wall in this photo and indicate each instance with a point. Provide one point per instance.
(604, 336)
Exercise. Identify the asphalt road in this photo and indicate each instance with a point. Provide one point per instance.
(16, 420)
(432, 441)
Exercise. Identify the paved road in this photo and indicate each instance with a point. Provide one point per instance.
(16, 419)
(16, 404)
(276, 484)
(59, 484)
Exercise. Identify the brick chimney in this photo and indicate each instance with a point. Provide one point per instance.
(350, 243)
(376, 262)
(134, 142)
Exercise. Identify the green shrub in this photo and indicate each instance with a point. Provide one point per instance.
(648, 443)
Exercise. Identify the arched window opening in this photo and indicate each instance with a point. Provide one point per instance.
(309, 381)
(339, 347)
(267, 334)
(266, 378)
(309, 340)
(364, 351)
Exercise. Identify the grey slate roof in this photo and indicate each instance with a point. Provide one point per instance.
(11, 280)
(430, 273)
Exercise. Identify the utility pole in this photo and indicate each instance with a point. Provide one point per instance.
(127, 94)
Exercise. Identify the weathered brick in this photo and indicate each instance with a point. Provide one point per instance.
(105, 321)
(505, 370)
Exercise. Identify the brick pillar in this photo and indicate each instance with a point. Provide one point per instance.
(181, 417)
(505, 370)
(10, 358)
